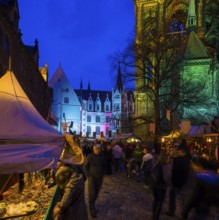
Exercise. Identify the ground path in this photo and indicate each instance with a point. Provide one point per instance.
(123, 198)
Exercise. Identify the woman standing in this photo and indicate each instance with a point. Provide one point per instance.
(72, 204)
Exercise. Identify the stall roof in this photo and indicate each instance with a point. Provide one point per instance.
(27, 141)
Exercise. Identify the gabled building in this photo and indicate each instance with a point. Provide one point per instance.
(65, 104)
(22, 59)
(92, 113)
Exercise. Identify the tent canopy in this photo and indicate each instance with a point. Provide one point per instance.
(27, 142)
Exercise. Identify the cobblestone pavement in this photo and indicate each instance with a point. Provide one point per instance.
(123, 198)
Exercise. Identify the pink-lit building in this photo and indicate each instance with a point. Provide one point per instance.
(91, 113)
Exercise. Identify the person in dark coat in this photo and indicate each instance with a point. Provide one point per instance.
(108, 156)
(147, 164)
(205, 190)
(94, 168)
(72, 205)
(158, 184)
(181, 159)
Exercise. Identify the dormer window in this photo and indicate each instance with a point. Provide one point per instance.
(98, 103)
(98, 107)
(90, 107)
(90, 104)
(107, 104)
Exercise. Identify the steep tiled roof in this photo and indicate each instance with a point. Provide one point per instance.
(94, 94)
(56, 76)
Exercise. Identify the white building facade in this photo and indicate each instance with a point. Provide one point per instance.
(90, 113)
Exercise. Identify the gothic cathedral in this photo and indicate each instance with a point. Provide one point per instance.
(194, 24)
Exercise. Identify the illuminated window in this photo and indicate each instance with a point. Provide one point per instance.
(66, 100)
(98, 130)
(97, 118)
(88, 118)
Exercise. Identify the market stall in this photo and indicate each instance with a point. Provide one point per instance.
(28, 145)
(205, 145)
(134, 139)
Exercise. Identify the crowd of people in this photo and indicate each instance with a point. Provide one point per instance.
(166, 173)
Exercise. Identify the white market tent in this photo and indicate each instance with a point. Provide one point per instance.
(27, 142)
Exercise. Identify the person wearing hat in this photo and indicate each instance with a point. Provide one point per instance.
(94, 167)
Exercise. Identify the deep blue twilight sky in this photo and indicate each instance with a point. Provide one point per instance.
(79, 34)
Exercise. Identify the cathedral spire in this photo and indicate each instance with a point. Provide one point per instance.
(88, 86)
(191, 23)
(81, 85)
(119, 84)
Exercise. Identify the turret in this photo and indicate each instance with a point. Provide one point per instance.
(191, 23)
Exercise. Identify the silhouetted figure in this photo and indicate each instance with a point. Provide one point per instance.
(180, 173)
(205, 190)
(158, 184)
(94, 168)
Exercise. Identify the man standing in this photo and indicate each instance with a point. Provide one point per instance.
(94, 167)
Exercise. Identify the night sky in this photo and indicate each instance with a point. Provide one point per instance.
(81, 35)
